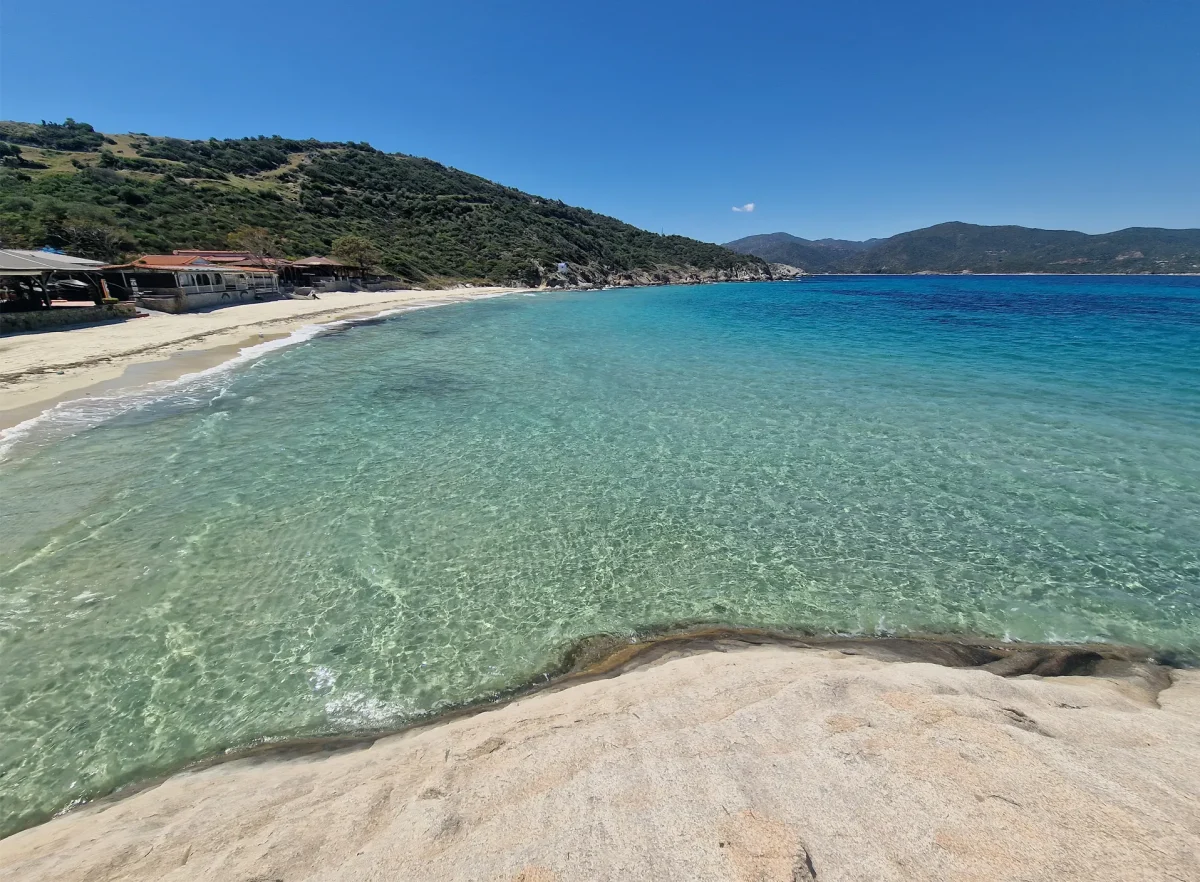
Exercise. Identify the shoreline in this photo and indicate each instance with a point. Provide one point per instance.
(606, 656)
(40, 370)
(728, 724)
(78, 362)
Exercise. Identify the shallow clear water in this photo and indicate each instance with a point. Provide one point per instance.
(414, 513)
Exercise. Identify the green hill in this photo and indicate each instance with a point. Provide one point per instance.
(109, 196)
(959, 247)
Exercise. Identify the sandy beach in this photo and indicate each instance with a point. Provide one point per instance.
(715, 760)
(40, 369)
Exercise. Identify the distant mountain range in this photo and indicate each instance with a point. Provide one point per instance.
(958, 247)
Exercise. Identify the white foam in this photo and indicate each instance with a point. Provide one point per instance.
(322, 679)
(83, 413)
(356, 710)
(258, 350)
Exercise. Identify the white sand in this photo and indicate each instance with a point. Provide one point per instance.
(38, 369)
(767, 763)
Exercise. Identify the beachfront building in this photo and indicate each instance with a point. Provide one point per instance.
(314, 271)
(44, 290)
(182, 282)
(31, 280)
(319, 271)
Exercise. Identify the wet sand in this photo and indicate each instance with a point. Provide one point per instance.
(709, 757)
(113, 378)
(38, 370)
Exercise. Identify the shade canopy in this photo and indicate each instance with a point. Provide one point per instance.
(35, 263)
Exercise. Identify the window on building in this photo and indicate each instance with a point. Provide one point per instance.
(153, 280)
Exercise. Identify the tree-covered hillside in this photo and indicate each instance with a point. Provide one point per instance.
(959, 247)
(109, 196)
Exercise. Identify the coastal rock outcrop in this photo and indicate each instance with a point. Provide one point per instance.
(586, 276)
(726, 761)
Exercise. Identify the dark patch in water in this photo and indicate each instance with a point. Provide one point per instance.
(425, 383)
(341, 333)
(431, 331)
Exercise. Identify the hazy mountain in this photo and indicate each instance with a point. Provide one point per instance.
(846, 244)
(815, 256)
(960, 247)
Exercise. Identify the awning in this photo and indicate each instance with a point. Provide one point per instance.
(34, 263)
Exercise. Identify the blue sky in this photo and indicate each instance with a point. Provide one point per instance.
(850, 119)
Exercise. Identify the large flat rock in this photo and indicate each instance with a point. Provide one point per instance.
(763, 763)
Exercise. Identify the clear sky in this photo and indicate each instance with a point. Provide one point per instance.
(853, 119)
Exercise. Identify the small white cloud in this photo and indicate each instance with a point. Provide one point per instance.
(749, 206)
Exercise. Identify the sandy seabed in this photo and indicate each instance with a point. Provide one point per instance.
(721, 761)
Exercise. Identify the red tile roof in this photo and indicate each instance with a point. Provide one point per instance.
(180, 263)
(222, 255)
(168, 260)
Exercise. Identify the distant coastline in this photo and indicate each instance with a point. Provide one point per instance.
(955, 247)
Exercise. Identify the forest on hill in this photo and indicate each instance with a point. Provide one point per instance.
(112, 196)
(957, 248)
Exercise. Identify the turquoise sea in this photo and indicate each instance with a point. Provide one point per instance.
(396, 517)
